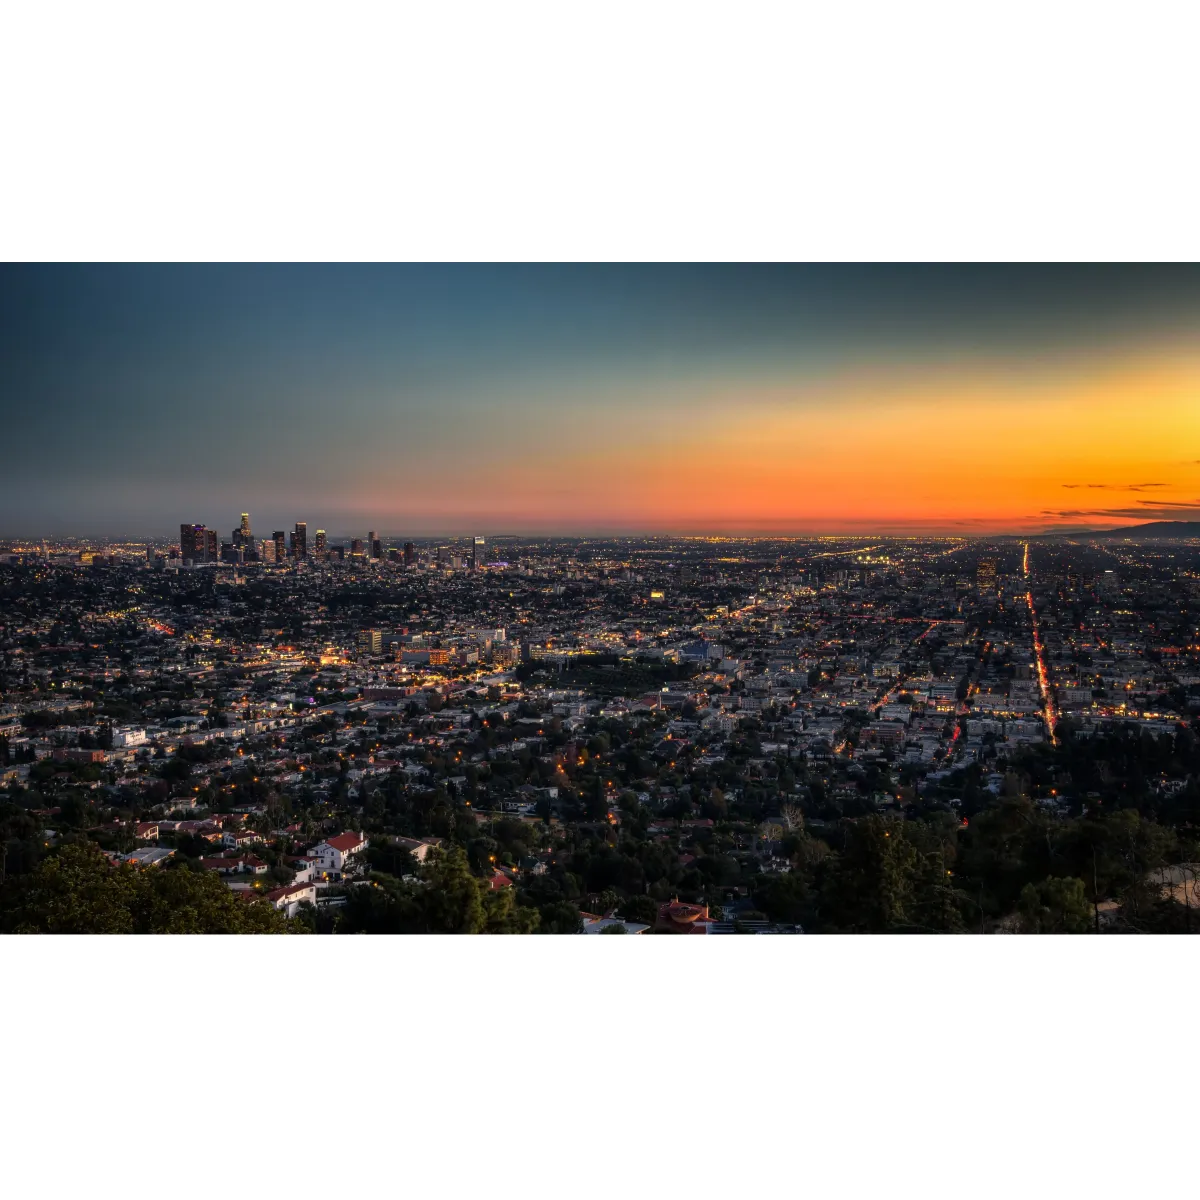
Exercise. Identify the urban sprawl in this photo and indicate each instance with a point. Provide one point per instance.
(587, 735)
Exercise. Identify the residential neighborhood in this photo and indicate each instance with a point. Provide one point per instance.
(647, 735)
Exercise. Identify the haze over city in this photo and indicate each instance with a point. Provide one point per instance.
(601, 399)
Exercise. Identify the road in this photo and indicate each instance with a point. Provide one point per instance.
(1049, 712)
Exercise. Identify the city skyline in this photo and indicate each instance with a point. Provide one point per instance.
(601, 400)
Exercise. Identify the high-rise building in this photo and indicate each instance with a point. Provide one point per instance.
(503, 655)
(376, 545)
(477, 552)
(985, 576)
(370, 641)
(410, 554)
(267, 550)
(356, 547)
(192, 543)
(243, 539)
(280, 545)
(300, 541)
(320, 544)
(210, 545)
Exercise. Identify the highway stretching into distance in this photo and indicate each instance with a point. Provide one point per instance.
(1049, 712)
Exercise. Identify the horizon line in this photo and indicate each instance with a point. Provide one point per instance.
(939, 533)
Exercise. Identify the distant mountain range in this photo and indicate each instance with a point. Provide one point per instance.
(1152, 529)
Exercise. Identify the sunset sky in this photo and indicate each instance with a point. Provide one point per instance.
(598, 399)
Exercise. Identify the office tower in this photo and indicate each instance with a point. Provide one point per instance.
(319, 546)
(192, 543)
(376, 545)
(370, 641)
(267, 550)
(210, 545)
(477, 553)
(243, 539)
(503, 655)
(985, 576)
(356, 547)
(280, 545)
(393, 555)
(300, 541)
(410, 554)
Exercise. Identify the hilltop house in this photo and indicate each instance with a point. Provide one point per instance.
(335, 854)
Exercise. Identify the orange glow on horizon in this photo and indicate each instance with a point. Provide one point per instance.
(964, 449)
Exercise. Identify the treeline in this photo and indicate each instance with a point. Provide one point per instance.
(75, 889)
(1013, 868)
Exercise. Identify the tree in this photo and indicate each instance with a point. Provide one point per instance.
(938, 902)
(560, 916)
(451, 900)
(641, 909)
(784, 898)
(873, 887)
(190, 902)
(72, 891)
(177, 769)
(75, 889)
(504, 915)
(1055, 906)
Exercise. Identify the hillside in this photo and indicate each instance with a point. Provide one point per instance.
(1154, 529)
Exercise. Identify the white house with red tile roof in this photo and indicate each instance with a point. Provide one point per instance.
(335, 854)
(288, 899)
(306, 866)
(419, 848)
(241, 838)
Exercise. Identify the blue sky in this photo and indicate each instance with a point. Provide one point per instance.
(440, 399)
